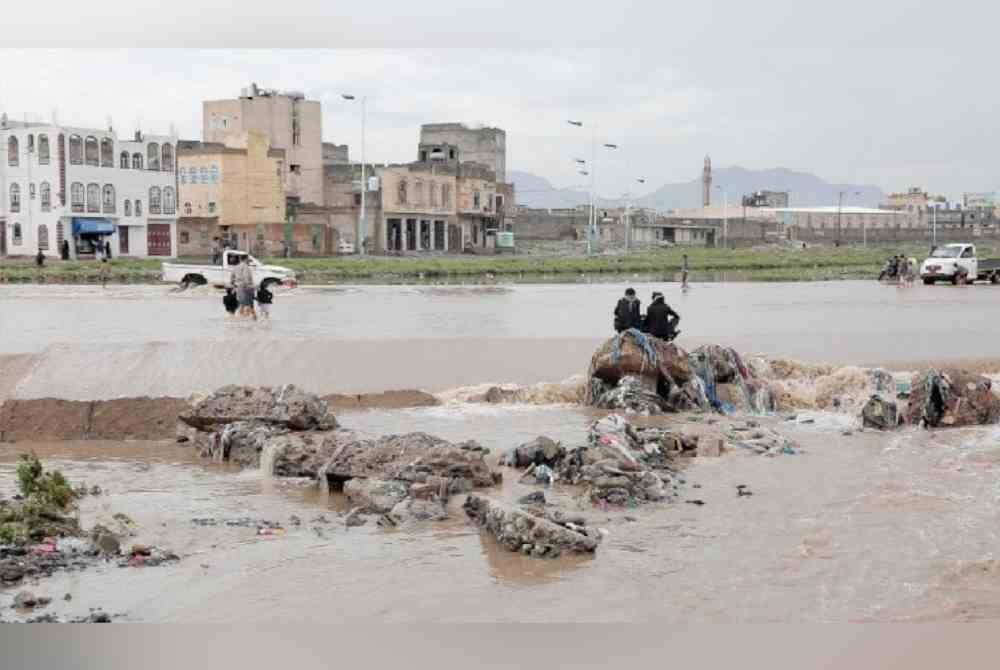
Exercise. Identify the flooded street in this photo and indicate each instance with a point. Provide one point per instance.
(858, 527)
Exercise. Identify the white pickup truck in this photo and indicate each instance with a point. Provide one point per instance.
(958, 263)
(222, 274)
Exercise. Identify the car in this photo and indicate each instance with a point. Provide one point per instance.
(222, 274)
(958, 263)
(345, 247)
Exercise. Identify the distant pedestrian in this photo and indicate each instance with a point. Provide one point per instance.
(264, 300)
(107, 250)
(684, 273)
(243, 280)
(104, 271)
(64, 250)
(216, 251)
(40, 258)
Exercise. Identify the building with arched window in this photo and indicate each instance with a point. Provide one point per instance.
(71, 184)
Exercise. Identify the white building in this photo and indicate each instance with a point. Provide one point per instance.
(87, 187)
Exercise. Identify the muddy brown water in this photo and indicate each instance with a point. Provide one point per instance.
(865, 527)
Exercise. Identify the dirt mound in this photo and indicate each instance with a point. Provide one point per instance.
(49, 419)
(385, 400)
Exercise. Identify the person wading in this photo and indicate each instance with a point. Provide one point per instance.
(661, 321)
(243, 280)
(627, 312)
(264, 300)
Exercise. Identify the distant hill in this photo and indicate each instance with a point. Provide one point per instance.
(805, 190)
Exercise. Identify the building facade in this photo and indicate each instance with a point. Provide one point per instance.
(88, 188)
(459, 142)
(288, 121)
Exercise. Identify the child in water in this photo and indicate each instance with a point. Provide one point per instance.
(264, 300)
(230, 302)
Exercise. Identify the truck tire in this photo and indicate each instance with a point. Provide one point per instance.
(928, 281)
(193, 280)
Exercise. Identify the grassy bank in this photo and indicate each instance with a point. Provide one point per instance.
(743, 264)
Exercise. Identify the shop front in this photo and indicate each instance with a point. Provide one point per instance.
(90, 237)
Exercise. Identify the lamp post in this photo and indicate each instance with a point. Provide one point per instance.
(628, 217)
(359, 234)
(725, 216)
(592, 221)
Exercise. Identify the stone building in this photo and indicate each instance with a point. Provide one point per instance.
(459, 142)
(234, 191)
(88, 187)
(288, 121)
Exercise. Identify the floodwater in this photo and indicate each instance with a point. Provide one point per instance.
(152, 340)
(859, 527)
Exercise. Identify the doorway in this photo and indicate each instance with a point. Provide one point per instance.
(123, 240)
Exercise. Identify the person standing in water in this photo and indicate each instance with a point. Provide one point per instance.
(264, 300)
(243, 281)
(104, 271)
(684, 273)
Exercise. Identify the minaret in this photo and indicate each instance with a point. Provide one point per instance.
(706, 183)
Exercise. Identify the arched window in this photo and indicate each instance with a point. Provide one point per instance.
(93, 197)
(168, 157)
(43, 237)
(446, 195)
(154, 200)
(137, 161)
(45, 194)
(138, 207)
(13, 151)
(418, 192)
(127, 207)
(16, 234)
(401, 194)
(107, 152)
(108, 199)
(31, 191)
(75, 150)
(123, 160)
(169, 200)
(215, 174)
(15, 197)
(43, 149)
(76, 196)
(187, 208)
(182, 175)
(60, 233)
(203, 174)
(152, 158)
(90, 151)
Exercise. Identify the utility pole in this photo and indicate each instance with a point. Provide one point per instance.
(359, 232)
(840, 205)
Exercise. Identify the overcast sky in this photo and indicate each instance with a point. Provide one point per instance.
(887, 111)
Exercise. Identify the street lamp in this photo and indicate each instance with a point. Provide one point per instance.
(725, 216)
(592, 224)
(362, 219)
(840, 207)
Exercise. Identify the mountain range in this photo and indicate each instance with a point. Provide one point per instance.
(804, 189)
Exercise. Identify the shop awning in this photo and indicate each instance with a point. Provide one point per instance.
(83, 226)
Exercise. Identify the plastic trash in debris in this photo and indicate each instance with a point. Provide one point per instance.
(787, 450)
(903, 389)
(544, 475)
(270, 532)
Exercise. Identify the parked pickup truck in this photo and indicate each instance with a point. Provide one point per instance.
(957, 263)
(222, 274)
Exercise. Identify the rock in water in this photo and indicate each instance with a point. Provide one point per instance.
(376, 495)
(880, 413)
(540, 451)
(286, 406)
(519, 530)
(952, 397)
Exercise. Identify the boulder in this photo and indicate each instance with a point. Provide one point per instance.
(952, 397)
(411, 511)
(375, 495)
(623, 356)
(519, 530)
(880, 413)
(412, 458)
(302, 454)
(540, 451)
(240, 442)
(285, 406)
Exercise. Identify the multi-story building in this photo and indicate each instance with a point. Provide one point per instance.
(766, 199)
(288, 121)
(458, 142)
(88, 188)
(232, 191)
(913, 200)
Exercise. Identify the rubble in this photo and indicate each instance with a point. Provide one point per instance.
(285, 406)
(540, 451)
(880, 413)
(951, 397)
(375, 495)
(537, 536)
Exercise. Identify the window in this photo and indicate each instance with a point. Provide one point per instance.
(43, 237)
(136, 161)
(43, 149)
(152, 160)
(451, 154)
(296, 126)
(93, 197)
(211, 208)
(138, 207)
(123, 160)
(214, 171)
(169, 200)
(60, 233)
(76, 196)
(108, 199)
(203, 174)
(31, 191)
(13, 151)
(434, 195)
(127, 207)
(401, 192)
(107, 152)
(16, 234)
(357, 199)
(75, 150)
(168, 157)
(295, 168)
(154, 200)
(15, 198)
(46, 196)
(446, 195)
(489, 202)
(187, 208)
(185, 237)
(475, 199)
(182, 175)
(90, 151)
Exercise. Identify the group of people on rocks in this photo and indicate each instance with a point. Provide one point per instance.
(240, 295)
(659, 321)
(899, 268)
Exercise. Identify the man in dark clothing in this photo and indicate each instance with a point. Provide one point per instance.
(229, 300)
(627, 312)
(64, 250)
(40, 258)
(264, 300)
(661, 321)
(107, 249)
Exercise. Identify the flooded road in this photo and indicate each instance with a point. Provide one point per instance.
(149, 340)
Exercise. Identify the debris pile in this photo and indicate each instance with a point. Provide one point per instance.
(951, 397)
(533, 533)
